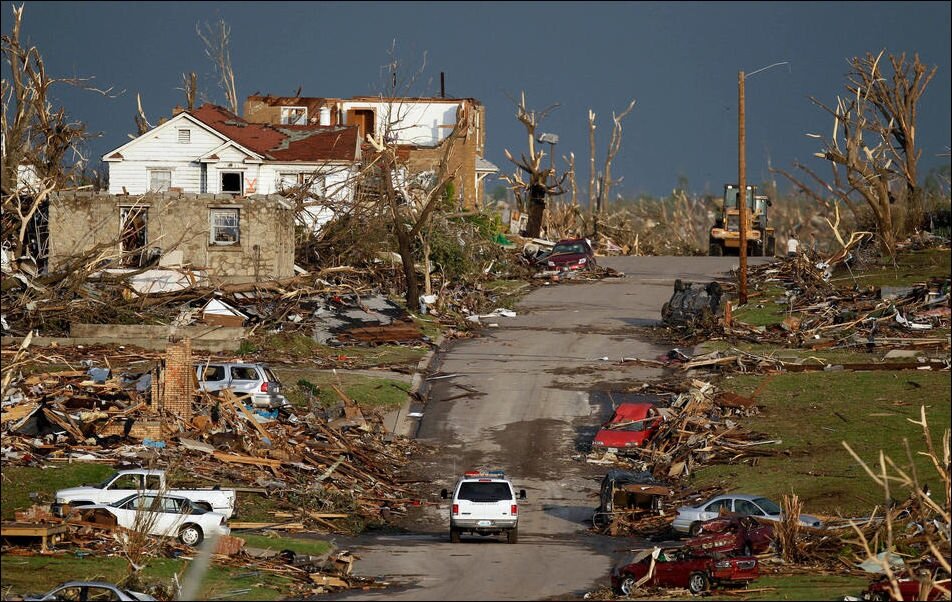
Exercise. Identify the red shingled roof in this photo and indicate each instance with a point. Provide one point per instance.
(311, 143)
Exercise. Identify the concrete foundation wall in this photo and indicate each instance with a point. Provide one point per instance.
(83, 222)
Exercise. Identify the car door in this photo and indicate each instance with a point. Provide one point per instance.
(244, 379)
(173, 514)
(713, 509)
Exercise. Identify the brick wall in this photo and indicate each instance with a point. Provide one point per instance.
(177, 379)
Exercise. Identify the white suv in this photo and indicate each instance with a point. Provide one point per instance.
(484, 503)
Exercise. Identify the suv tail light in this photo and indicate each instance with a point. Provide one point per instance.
(515, 510)
(264, 387)
(455, 509)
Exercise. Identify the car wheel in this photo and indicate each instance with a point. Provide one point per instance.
(454, 535)
(695, 529)
(627, 585)
(512, 535)
(697, 583)
(191, 535)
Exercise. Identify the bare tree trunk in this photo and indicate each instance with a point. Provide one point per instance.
(536, 211)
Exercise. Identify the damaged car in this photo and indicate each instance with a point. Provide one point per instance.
(930, 581)
(569, 254)
(690, 518)
(733, 536)
(631, 425)
(678, 568)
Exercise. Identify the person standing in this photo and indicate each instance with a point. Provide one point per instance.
(792, 245)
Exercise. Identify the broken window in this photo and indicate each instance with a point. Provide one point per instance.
(224, 226)
(185, 136)
(160, 180)
(133, 235)
(293, 115)
(243, 373)
(232, 182)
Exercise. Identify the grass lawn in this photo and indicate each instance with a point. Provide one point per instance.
(809, 356)
(38, 574)
(814, 412)
(20, 481)
(369, 392)
(295, 347)
(313, 547)
(803, 587)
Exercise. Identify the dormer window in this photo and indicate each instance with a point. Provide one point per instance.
(293, 115)
(185, 136)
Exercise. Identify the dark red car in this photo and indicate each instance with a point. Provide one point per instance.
(570, 254)
(675, 568)
(630, 426)
(732, 536)
(911, 587)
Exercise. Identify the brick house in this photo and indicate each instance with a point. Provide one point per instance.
(419, 126)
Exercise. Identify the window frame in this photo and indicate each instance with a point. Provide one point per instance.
(286, 112)
(213, 226)
(221, 181)
(156, 170)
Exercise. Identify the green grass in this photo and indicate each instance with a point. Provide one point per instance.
(809, 356)
(804, 587)
(313, 547)
(911, 267)
(369, 392)
(813, 413)
(298, 347)
(761, 309)
(37, 574)
(20, 481)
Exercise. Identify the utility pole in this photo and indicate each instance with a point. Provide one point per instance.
(742, 184)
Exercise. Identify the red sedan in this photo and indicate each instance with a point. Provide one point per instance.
(630, 426)
(732, 535)
(676, 569)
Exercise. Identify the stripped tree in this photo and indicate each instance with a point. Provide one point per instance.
(600, 182)
(540, 182)
(872, 149)
(216, 39)
(41, 144)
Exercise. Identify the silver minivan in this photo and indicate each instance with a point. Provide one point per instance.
(255, 380)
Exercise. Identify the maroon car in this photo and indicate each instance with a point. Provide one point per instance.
(570, 254)
(911, 587)
(675, 568)
(732, 536)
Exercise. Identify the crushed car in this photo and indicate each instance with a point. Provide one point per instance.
(250, 380)
(628, 492)
(679, 568)
(929, 581)
(630, 426)
(164, 516)
(733, 536)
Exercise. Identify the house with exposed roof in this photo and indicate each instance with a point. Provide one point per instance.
(420, 127)
(211, 150)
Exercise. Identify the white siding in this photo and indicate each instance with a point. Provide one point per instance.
(419, 123)
(161, 149)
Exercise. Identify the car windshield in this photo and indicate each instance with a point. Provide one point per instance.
(635, 427)
(576, 247)
(768, 506)
(474, 491)
(106, 482)
(123, 501)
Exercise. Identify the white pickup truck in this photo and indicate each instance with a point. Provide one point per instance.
(127, 482)
(484, 503)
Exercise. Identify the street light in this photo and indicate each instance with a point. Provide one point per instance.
(551, 140)
(742, 178)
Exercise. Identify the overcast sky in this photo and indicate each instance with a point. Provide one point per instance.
(678, 60)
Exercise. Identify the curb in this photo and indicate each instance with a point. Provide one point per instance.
(402, 423)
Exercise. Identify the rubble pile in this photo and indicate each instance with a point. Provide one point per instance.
(699, 428)
(314, 462)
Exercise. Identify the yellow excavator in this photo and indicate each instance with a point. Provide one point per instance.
(725, 233)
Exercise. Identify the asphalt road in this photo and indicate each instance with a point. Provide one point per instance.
(526, 398)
